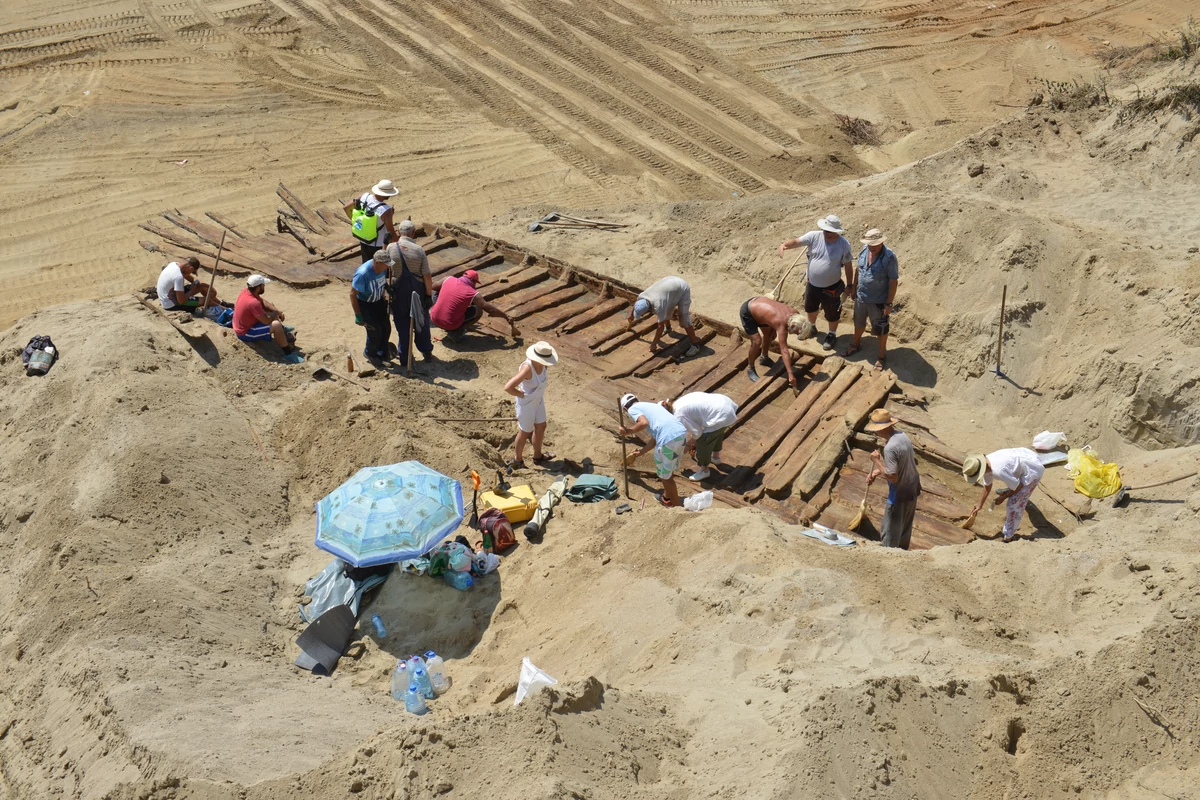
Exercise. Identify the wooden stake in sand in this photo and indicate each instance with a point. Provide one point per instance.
(213, 280)
(624, 452)
(1000, 340)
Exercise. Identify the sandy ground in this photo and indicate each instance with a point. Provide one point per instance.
(156, 503)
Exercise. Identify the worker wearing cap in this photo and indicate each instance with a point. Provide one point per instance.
(897, 463)
(256, 319)
(370, 304)
(1020, 471)
(459, 304)
(670, 441)
(874, 286)
(666, 298)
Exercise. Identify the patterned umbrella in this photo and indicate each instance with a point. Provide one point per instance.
(387, 514)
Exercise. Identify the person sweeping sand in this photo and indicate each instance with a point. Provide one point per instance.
(529, 387)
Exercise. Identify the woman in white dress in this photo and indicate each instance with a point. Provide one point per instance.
(529, 387)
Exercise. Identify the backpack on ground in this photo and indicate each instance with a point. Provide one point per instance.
(497, 531)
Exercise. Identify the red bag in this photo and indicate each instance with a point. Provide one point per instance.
(497, 531)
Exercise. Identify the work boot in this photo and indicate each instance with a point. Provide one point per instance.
(829, 340)
(428, 357)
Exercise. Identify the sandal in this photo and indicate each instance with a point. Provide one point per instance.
(881, 364)
(512, 465)
(545, 456)
(852, 349)
(663, 501)
(624, 508)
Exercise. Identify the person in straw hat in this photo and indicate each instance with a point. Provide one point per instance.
(380, 213)
(828, 258)
(898, 466)
(876, 277)
(529, 387)
(1021, 472)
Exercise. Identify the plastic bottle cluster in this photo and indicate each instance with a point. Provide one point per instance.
(417, 679)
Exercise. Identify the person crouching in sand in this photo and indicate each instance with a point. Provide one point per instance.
(670, 440)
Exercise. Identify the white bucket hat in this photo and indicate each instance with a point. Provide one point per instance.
(873, 237)
(385, 188)
(831, 223)
(543, 354)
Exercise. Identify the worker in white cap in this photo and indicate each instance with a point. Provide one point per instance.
(829, 256)
(256, 319)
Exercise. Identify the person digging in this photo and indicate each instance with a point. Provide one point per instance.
(670, 440)
(1020, 471)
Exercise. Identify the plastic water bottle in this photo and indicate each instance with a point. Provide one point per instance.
(414, 700)
(459, 580)
(423, 682)
(400, 680)
(414, 663)
(437, 671)
(380, 631)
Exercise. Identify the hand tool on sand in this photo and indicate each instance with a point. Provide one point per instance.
(862, 511)
(212, 281)
(774, 293)
(1122, 495)
(321, 373)
(474, 521)
(554, 216)
(624, 452)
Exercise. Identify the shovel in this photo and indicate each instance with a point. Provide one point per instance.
(321, 373)
(1122, 495)
(473, 522)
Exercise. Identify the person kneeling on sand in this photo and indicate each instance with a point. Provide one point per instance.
(670, 438)
(180, 290)
(529, 387)
(256, 319)
(1021, 472)
(766, 321)
(459, 305)
(706, 417)
(666, 298)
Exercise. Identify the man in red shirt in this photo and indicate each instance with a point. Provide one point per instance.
(256, 319)
(459, 304)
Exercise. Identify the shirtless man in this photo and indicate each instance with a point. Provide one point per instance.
(766, 321)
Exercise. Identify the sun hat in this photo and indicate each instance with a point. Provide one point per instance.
(641, 308)
(542, 353)
(831, 223)
(881, 419)
(384, 257)
(472, 276)
(627, 400)
(385, 188)
(257, 280)
(975, 468)
(874, 237)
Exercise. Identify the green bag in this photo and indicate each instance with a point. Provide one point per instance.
(592, 489)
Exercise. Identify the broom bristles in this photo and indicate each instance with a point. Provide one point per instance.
(858, 518)
(968, 522)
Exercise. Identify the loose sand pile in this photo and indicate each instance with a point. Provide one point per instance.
(156, 512)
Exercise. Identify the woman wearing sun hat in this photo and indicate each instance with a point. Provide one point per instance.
(529, 387)
(374, 209)
(1021, 472)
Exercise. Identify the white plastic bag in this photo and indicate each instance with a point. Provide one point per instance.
(698, 502)
(532, 680)
(1048, 441)
(485, 562)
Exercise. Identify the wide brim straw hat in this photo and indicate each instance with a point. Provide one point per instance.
(975, 468)
(542, 353)
(881, 419)
(873, 237)
(385, 188)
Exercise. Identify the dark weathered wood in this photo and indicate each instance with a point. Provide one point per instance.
(287, 226)
(537, 291)
(819, 381)
(333, 217)
(196, 335)
(225, 223)
(729, 366)
(565, 314)
(515, 281)
(594, 315)
(306, 215)
(824, 460)
(552, 300)
(474, 261)
(822, 403)
(667, 355)
(852, 483)
(938, 451)
(439, 244)
(613, 339)
(859, 411)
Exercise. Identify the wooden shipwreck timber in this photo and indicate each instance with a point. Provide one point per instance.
(801, 456)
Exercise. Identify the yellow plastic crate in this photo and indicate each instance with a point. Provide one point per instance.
(518, 505)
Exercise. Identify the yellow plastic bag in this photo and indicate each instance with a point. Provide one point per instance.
(1093, 477)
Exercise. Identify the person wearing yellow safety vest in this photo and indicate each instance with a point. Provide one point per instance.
(371, 219)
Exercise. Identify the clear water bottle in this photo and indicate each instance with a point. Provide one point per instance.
(380, 631)
(459, 580)
(414, 700)
(400, 680)
(414, 663)
(436, 668)
(423, 682)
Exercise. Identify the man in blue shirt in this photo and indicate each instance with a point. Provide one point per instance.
(370, 304)
(875, 280)
(670, 441)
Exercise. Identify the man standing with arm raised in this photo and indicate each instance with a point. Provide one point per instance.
(829, 256)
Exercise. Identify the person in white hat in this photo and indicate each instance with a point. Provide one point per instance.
(371, 219)
(829, 256)
(529, 387)
(897, 463)
(1020, 471)
(256, 319)
(876, 276)
(670, 440)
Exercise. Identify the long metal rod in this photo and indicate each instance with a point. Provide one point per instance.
(212, 281)
(624, 452)
(1000, 340)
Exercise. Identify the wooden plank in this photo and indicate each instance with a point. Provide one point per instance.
(817, 384)
(822, 402)
(668, 355)
(701, 367)
(859, 411)
(729, 366)
(225, 223)
(332, 216)
(852, 483)
(564, 295)
(439, 244)
(824, 460)
(938, 451)
(620, 336)
(461, 265)
(512, 298)
(514, 281)
(285, 225)
(593, 316)
(568, 312)
(306, 215)
(189, 335)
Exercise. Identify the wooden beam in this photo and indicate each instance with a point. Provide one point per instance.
(619, 337)
(513, 298)
(593, 316)
(824, 460)
(306, 215)
(667, 355)
(225, 223)
(564, 295)
(568, 312)
(729, 365)
(518, 279)
(189, 335)
(852, 483)
(938, 451)
(823, 400)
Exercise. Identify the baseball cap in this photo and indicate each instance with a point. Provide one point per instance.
(472, 276)
(257, 280)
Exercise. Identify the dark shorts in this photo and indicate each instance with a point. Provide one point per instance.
(828, 299)
(749, 324)
(470, 316)
(880, 322)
